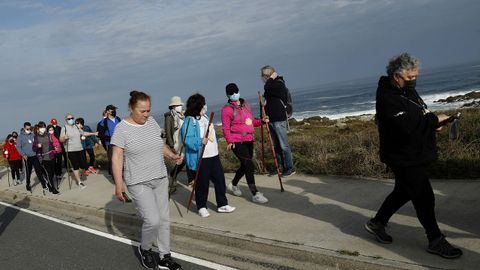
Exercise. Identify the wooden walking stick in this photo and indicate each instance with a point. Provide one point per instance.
(262, 139)
(199, 163)
(262, 108)
(8, 172)
(68, 162)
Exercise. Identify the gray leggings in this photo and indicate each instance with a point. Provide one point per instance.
(151, 201)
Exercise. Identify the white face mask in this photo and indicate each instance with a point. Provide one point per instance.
(51, 131)
(204, 110)
(28, 131)
(178, 109)
(42, 130)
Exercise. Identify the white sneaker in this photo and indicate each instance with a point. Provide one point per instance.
(203, 212)
(82, 185)
(226, 209)
(259, 198)
(234, 189)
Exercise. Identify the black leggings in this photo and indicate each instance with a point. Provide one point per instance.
(91, 156)
(412, 184)
(15, 166)
(49, 166)
(244, 152)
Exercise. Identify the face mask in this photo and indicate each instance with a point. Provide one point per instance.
(178, 109)
(410, 85)
(204, 110)
(51, 131)
(42, 130)
(70, 122)
(114, 113)
(234, 97)
(11, 140)
(28, 131)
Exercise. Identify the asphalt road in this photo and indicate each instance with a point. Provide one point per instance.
(32, 242)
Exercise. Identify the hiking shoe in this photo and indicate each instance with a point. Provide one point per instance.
(378, 229)
(203, 212)
(86, 173)
(147, 258)
(443, 248)
(29, 188)
(168, 263)
(82, 185)
(289, 173)
(226, 209)
(45, 191)
(235, 190)
(259, 198)
(92, 170)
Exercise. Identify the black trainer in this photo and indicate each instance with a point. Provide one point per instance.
(289, 173)
(378, 229)
(443, 248)
(147, 258)
(168, 263)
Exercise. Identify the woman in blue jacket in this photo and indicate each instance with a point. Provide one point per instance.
(193, 130)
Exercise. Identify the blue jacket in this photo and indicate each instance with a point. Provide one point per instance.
(89, 141)
(192, 142)
(25, 144)
(110, 128)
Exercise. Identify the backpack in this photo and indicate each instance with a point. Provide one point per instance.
(288, 104)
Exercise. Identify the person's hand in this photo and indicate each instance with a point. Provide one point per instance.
(25, 157)
(266, 119)
(204, 141)
(441, 117)
(230, 146)
(66, 137)
(274, 75)
(179, 160)
(119, 193)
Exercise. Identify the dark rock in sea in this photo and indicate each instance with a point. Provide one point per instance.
(468, 96)
(473, 104)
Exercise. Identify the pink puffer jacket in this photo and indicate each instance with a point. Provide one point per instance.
(241, 128)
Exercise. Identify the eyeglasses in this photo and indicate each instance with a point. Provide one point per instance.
(70, 118)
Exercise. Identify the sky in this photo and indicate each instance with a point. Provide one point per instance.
(79, 56)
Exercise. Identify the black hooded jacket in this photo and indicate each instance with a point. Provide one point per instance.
(407, 134)
(275, 94)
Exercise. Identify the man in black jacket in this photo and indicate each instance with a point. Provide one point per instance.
(276, 97)
(407, 144)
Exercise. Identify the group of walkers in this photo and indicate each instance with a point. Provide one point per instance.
(137, 153)
(43, 148)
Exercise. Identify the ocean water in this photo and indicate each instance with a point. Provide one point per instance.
(357, 97)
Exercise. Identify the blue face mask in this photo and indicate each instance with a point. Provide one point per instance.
(234, 97)
(70, 121)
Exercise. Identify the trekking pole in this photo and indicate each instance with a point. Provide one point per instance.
(199, 162)
(181, 150)
(271, 142)
(8, 173)
(262, 140)
(68, 160)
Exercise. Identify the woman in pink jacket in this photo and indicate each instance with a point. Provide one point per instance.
(238, 128)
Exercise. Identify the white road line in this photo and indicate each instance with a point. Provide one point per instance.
(183, 257)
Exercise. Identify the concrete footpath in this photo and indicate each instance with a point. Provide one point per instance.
(317, 223)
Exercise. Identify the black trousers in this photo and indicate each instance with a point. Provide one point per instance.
(58, 164)
(49, 172)
(15, 166)
(32, 162)
(91, 157)
(109, 156)
(244, 152)
(211, 169)
(190, 173)
(412, 184)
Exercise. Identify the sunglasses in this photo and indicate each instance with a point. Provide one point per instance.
(70, 118)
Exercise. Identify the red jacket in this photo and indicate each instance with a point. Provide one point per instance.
(13, 154)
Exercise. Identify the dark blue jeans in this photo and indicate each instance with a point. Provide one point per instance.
(280, 142)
